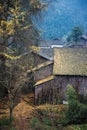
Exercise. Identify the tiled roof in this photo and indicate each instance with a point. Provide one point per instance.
(47, 53)
(84, 37)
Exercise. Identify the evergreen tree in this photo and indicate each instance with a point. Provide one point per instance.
(75, 35)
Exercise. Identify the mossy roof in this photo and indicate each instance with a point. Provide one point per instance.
(44, 80)
(70, 61)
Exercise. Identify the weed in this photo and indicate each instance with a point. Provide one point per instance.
(34, 122)
(5, 122)
(48, 122)
(12, 128)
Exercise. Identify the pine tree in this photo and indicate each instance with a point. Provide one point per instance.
(75, 35)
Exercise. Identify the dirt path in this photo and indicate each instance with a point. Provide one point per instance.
(23, 109)
(23, 113)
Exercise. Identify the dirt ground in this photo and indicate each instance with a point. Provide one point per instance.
(23, 113)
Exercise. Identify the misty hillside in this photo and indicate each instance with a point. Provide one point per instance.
(61, 16)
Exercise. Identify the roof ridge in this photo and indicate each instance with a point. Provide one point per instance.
(45, 80)
(41, 66)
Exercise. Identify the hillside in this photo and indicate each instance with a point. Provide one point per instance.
(60, 17)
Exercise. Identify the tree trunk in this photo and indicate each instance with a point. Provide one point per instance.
(11, 113)
(11, 109)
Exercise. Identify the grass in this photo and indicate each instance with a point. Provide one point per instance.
(44, 126)
(81, 127)
(76, 127)
(6, 124)
(44, 117)
(51, 117)
(36, 124)
(48, 117)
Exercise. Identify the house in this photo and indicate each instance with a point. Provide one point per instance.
(42, 71)
(54, 46)
(46, 47)
(84, 40)
(82, 43)
(84, 37)
(69, 67)
(52, 76)
(34, 61)
(49, 43)
(41, 67)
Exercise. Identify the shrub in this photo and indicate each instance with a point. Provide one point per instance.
(13, 128)
(48, 122)
(82, 98)
(42, 125)
(34, 122)
(5, 122)
(77, 112)
(83, 112)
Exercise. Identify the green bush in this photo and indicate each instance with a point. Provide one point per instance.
(5, 122)
(80, 127)
(83, 112)
(77, 112)
(34, 122)
(42, 125)
(48, 122)
(82, 98)
(12, 128)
